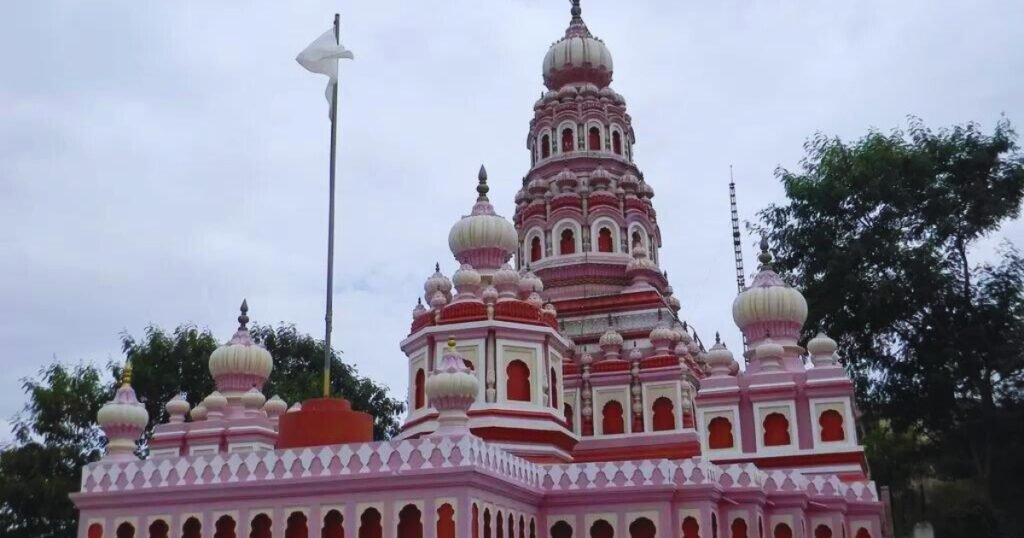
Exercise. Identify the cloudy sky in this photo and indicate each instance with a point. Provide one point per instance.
(159, 161)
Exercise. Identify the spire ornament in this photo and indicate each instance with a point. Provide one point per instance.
(482, 189)
(243, 318)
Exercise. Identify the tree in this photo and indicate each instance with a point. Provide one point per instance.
(878, 234)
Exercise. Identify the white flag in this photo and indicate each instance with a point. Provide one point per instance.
(321, 56)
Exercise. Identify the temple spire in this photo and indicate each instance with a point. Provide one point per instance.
(482, 189)
(243, 317)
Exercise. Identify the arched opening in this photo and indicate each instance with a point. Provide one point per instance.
(605, 243)
(616, 143)
(511, 526)
(636, 239)
(125, 530)
(536, 252)
(259, 527)
(739, 528)
(192, 528)
(297, 526)
(499, 525)
(446, 521)
(476, 521)
(410, 524)
(776, 430)
(95, 531)
(553, 382)
(487, 523)
(567, 242)
(664, 418)
(611, 418)
(517, 384)
(561, 529)
(567, 410)
(533, 528)
(334, 525)
(862, 533)
(602, 529)
(418, 384)
(224, 527)
(545, 147)
(159, 529)
(567, 140)
(642, 528)
(714, 525)
(822, 531)
(831, 423)
(783, 531)
(691, 529)
(720, 433)
(760, 527)
(594, 139)
(369, 524)
(522, 527)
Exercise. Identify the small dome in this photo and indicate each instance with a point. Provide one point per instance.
(610, 338)
(438, 300)
(535, 300)
(822, 350)
(483, 238)
(640, 259)
(769, 350)
(124, 410)
(436, 282)
(600, 178)
(489, 295)
(241, 363)
(530, 283)
(452, 378)
(199, 412)
(719, 359)
(419, 309)
(566, 180)
(275, 406)
(466, 280)
(636, 354)
(661, 332)
(177, 408)
(629, 182)
(253, 399)
(578, 57)
(215, 402)
(769, 305)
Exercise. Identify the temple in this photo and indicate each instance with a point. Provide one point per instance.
(555, 388)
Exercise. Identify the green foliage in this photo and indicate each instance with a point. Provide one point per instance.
(878, 233)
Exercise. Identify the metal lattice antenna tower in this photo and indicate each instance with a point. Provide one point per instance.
(741, 279)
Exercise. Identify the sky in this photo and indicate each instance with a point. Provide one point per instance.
(161, 161)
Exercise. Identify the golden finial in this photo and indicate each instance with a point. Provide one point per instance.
(126, 374)
(451, 342)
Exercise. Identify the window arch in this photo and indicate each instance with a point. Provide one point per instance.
(822, 531)
(511, 526)
(95, 531)
(642, 528)
(369, 524)
(568, 140)
(297, 526)
(831, 422)
(536, 249)
(224, 527)
(476, 521)
(691, 529)
(545, 146)
(567, 241)
(445, 527)
(533, 528)
(410, 522)
(611, 418)
(862, 533)
(567, 411)
(522, 527)
(499, 525)
(720, 433)
(517, 385)
(714, 525)
(333, 525)
(776, 430)
(553, 384)
(192, 528)
(783, 531)
(418, 387)
(605, 243)
(739, 528)
(602, 529)
(594, 138)
(125, 530)
(259, 527)
(664, 416)
(159, 529)
(616, 143)
(561, 529)
(487, 523)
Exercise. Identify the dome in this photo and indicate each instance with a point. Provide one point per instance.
(253, 399)
(719, 359)
(483, 238)
(275, 406)
(199, 412)
(578, 57)
(769, 306)
(822, 350)
(241, 363)
(466, 281)
(123, 419)
(177, 408)
(610, 338)
(451, 389)
(530, 283)
(437, 282)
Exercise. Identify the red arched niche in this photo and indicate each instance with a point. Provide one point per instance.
(567, 411)
(511, 526)
(738, 528)
(553, 383)
(499, 525)
(517, 385)
(776, 430)
(720, 433)
(783, 531)
(125, 530)
(224, 527)
(192, 528)
(567, 242)
(642, 528)
(604, 241)
(297, 526)
(664, 417)
(602, 529)
(260, 526)
(862, 533)
(159, 529)
(334, 525)
(561, 529)
(822, 531)
(616, 143)
(691, 529)
(535, 249)
(594, 139)
(369, 524)
(418, 385)
(567, 140)
(95, 531)
(446, 522)
(476, 521)
(611, 418)
(831, 423)
(410, 524)
(487, 523)
(545, 147)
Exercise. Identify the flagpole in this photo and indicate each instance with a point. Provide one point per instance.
(328, 318)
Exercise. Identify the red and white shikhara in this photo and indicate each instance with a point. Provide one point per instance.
(562, 396)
